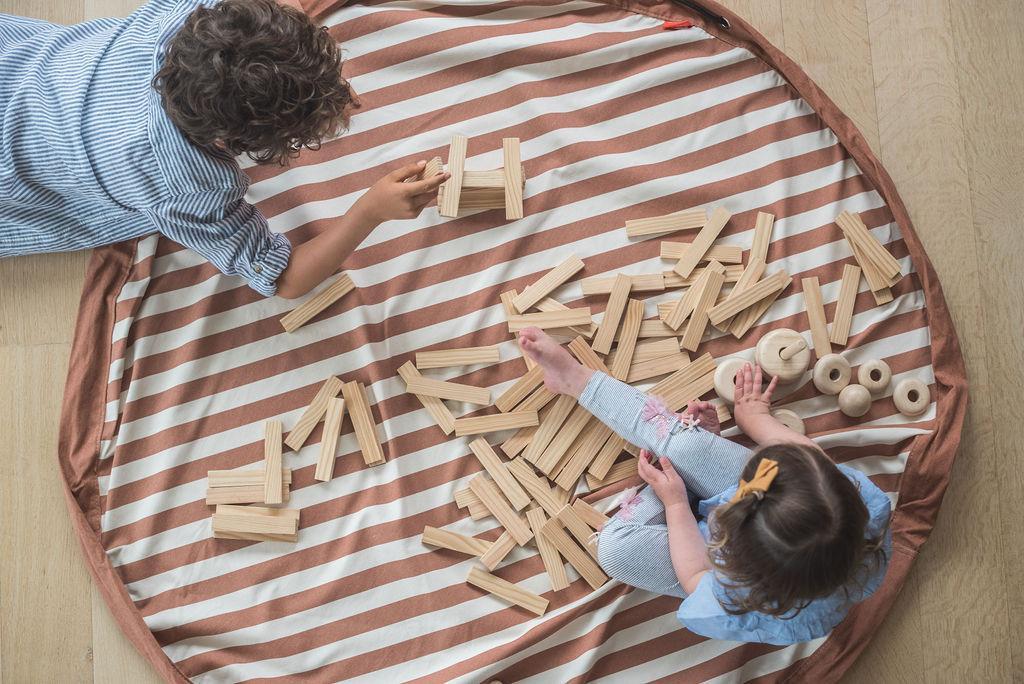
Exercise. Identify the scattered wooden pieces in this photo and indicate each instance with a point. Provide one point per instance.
(313, 413)
(674, 280)
(545, 320)
(880, 268)
(362, 421)
(589, 514)
(702, 243)
(272, 483)
(578, 528)
(564, 437)
(448, 204)
(549, 304)
(447, 390)
(627, 341)
(242, 486)
(444, 358)
(723, 254)
(748, 297)
(584, 451)
(644, 282)
(649, 349)
(501, 547)
(655, 328)
(745, 319)
(255, 523)
(479, 425)
(437, 409)
(589, 570)
(843, 317)
(652, 368)
(585, 354)
(453, 541)
(500, 509)
(535, 485)
(707, 294)
(612, 314)
(329, 442)
(465, 498)
(618, 472)
(687, 383)
(500, 474)
(507, 591)
(816, 316)
(519, 389)
(537, 400)
(301, 315)
(548, 283)
(513, 172)
(670, 223)
(549, 554)
(510, 310)
(549, 427)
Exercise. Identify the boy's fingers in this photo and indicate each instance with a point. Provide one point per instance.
(427, 185)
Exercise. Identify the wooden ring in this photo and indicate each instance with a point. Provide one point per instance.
(875, 375)
(855, 400)
(725, 378)
(911, 397)
(790, 419)
(832, 373)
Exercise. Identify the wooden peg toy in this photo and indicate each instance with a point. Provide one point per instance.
(790, 419)
(467, 190)
(783, 353)
(855, 400)
(875, 375)
(725, 378)
(831, 374)
(911, 397)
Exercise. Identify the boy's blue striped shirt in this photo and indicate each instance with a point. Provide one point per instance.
(89, 157)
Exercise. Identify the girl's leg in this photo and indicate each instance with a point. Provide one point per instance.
(637, 554)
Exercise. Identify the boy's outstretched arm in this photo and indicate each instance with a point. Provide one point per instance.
(752, 411)
(395, 196)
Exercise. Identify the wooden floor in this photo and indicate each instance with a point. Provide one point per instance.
(937, 88)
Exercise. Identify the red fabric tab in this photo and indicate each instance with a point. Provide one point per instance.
(673, 25)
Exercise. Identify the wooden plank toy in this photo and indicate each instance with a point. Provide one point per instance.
(746, 319)
(747, 298)
(816, 316)
(453, 541)
(437, 409)
(301, 315)
(612, 314)
(510, 310)
(548, 283)
(535, 485)
(500, 508)
(444, 358)
(499, 189)
(643, 282)
(589, 514)
(242, 486)
(702, 243)
(652, 368)
(500, 474)
(362, 421)
(554, 530)
(553, 563)
(585, 354)
(255, 523)
(449, 204)
(272, 483)
(723, 254)
(479, 425)
(501, 547)
(448, 390)
(545, 320)
(520, 389)
(843, 317)
(329, 442)
(465, 498)
(627, 340)
(618, 472)
(506, 590)
(707, 295)
(549, 304)
(313, 413)
(670, 223)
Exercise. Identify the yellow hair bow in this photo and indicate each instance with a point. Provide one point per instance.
(767, 469)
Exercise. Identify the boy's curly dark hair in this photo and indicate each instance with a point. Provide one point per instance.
(255, 77)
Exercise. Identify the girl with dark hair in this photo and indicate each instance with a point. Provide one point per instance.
(783, 541)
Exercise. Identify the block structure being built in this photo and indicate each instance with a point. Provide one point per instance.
(474, 190)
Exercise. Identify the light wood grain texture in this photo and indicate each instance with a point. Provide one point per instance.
(553, 563)
(745, 320)
(272, 483)
(545, 320)
(612, 314)
(255, 523)
(514, 178)
(640, 282)
(563, 440)
(589, 514)
(465, 498)
(748, 297)
(627, 339)
(674, 280)
(586, 355)
(510, 310)
(706, 296)
(649, 349)
(687, 219)
(579, 529)
(313, 413)
(224, 479)
(440, 389)
(815, 307)
(616, 473)
(453, 541)
(655, 328)
(536, 486)
(443, 358)
(498, 551)
(362, 423)
(448, 201)
(537, 400)
(583, 452)
(549, 304)
(437, 409)
(499, 473)
(243, 494)
(548, 283)
(479, 425)
(554, 530)
(499, 507)
(494, 179)
(550, 424)
(329, 442)
(507, 591)
(723, 254)
(853, 228)
(694, 254)
(843, 316)
(301, 315)
(652, 368)
(520, 389)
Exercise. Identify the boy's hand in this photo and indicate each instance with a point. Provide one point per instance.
(666, 482)
(395, 196)
(708, 415)
(750, 400)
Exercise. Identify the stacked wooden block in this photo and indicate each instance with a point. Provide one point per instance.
(477, 190)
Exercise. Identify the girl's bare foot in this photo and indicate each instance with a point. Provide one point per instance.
(562, 373)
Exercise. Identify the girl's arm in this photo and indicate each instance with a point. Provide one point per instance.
(686, 545)
(752, 411)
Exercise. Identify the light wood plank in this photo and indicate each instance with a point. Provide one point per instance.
(302, 314)
(843, 316)
(447, 390)
(552, 559)
(586, 355)
(362, 422)
(514, 178)
(507, 591)
(535, 485)
(329, 442)
(465, 498)
(548, 283)
(498, 551)
(499, 473)
(448, 201)
(627, 340)
(444, 358)
(702, 243)
(272, 483)
(723, 254)
(642, 282)
(520, 389)
(546, 320)
(815, 307)
(589, 514)
(313, 413)
(612, 314)
(618, 472)
(499, 507)
(707, 295)
(453, 541)
(592, 574)
(478, 425)
(437, 409)
(687, 219)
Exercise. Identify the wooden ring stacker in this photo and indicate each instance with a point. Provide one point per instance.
(790, 419)
(725, 377)
(831, 374)
(855, 400)
(911, 397)
(783, 354)
(875, 375)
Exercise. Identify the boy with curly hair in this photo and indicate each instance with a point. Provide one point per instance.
(117, 128)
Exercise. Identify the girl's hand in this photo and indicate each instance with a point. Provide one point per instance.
(750, 400)
(707, 414)
(666, 482)
(400, 195)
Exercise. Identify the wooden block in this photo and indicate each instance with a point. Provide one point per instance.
(612, 315)
(587, 356)
(751, 274)
(562, 440)
(744, 320)
(627, 342)
(706, 298)
(480, 425)
(519, 441)
(853, 227)
(649, 349)
(545, 320)
(748, 297)
(444, 358)
(510, 310)
(362, 421)
(683, 307)
(520, 389)
(548, 304)
(500, 509)
(272, 482)
(589, 570)
(535, 485)
(643, 282)
(513, 178)
(548, 283)
(447, 390)
(465, 498)
(495, 180)
(844, 305)
(313, 413)
(645, 370)
(218, 479)
(537, 400)
(762, 238)
(618, 472)
(329, 442)
(606, 457)
(243, 494)
(501, 547)
(723, 254)
(437, 409)
(549, 427)
(590, 515)
(255, 523)
(656, 225)
(688, 383)
(434, 166)
(448, 204)
(301, 315)
(578, 529)
(816, 316)
(586, 450)
(878, 282)
(702, 243)
(500, 474)
(654, 329)
(507, 591)
(453, 541)
(674, 280)
(553, 563)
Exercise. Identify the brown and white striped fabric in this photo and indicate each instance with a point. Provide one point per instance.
(175, 367)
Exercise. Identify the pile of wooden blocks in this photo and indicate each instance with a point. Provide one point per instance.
(476, 190)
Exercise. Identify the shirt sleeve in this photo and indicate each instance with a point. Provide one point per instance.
(227, 231)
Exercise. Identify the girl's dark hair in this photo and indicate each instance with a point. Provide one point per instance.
(255, 77)
(801, 540)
